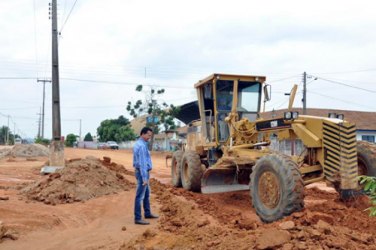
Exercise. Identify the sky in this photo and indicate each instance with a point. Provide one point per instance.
(107, 48)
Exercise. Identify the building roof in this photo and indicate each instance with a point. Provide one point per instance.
(363, 120)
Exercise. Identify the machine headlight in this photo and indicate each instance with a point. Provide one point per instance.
(288, 115)
(291, 115)
(341, 116)
(335, 115)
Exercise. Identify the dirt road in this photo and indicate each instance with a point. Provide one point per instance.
(188, 220)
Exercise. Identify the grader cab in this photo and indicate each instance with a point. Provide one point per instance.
(230, 147)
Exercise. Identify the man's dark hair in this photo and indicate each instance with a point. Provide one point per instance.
(145, 130)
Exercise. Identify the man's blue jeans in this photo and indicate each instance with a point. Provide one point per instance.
(142, 197)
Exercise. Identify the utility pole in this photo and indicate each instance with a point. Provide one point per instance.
(14, 132)
(80, 128)
(304, 93)
(57, 146)
(39, 124)
(56, 121)
(8, 131)
(44, 96)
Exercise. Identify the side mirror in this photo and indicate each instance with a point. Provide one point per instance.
(267, 92)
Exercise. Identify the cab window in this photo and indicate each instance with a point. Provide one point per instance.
(248, 96)
(224, 95)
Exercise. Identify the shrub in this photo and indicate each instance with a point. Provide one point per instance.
(369, 186)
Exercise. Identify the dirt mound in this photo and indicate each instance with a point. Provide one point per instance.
(114, 166)
(4, 151)
(190, 221)
(6, 233)
(227, 208)
(25, 150)
(183, 225)
(78, 181)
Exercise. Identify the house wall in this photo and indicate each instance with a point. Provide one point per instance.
(159, 145)
(126, 145)
(360, 133)
(87, 144)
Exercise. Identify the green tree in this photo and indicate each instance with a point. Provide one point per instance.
(160, 114)
(369, 186)
(70, 140)
(42, 141)
(116, 130)
(4, 130)
(88, 137)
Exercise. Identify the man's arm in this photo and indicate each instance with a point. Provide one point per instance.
(136, 158)
(142, 164)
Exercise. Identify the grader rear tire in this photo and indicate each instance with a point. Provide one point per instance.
(191, 171)
(276, 187)
(366, 158)
(176, 168)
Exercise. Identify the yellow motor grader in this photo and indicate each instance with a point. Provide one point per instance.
(231, 148)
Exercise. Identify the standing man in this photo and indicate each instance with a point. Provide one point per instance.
(142, 164)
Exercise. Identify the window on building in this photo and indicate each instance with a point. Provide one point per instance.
(369, 138)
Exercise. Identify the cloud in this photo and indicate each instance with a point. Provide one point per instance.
(174, 44)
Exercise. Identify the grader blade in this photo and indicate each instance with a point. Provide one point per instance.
(224, 180)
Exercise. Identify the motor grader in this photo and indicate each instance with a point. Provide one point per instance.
(230, 147)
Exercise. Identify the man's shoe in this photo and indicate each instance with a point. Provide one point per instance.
(152, 216)
(141, 222)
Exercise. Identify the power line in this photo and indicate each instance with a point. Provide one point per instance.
(17, 78)
(311, 81)
(19, 108)
(95, 107)
(10, 118)
(156, 71)
(66, 20)
(348, 72)
(125, 83)
(282, 103)
(24, 117)
(65, 10)
(98, 81)
(349, 81)
(345, 101)
(71, 120)
(43, 107)
(347, 85)
(35, 36)
(282, 79)
(279, 102)
(189, 70)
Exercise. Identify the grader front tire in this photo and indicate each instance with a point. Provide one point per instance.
(176, 168)
(191, 171)
(276, 187)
